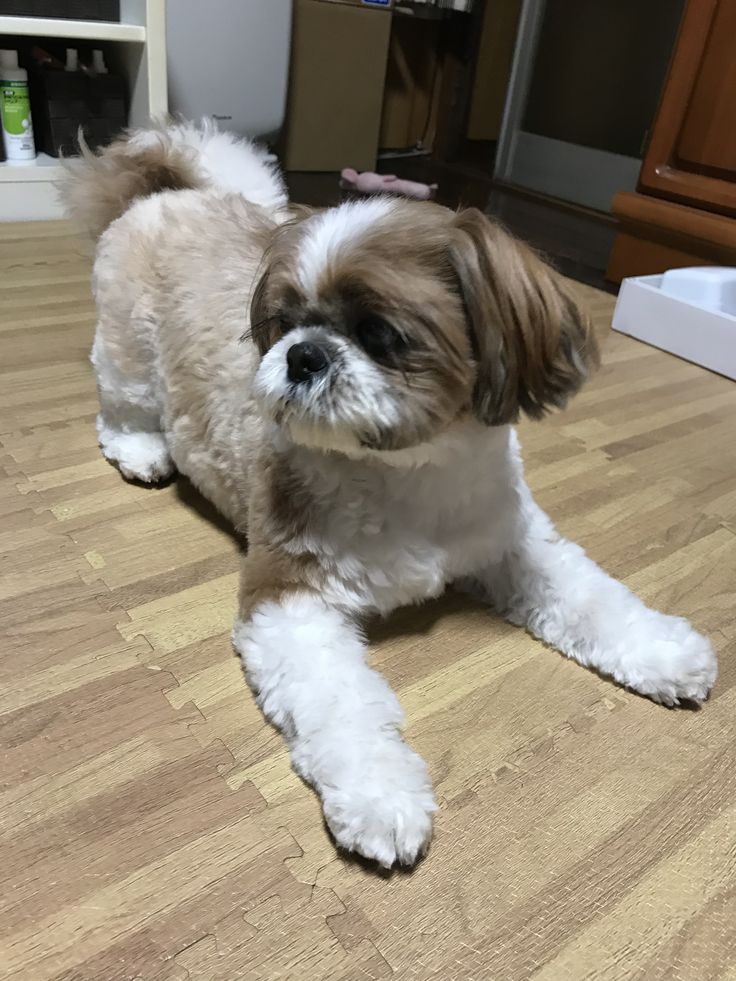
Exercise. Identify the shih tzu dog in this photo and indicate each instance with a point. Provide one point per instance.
(343, 386)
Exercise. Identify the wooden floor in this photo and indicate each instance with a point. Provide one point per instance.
(151, 826)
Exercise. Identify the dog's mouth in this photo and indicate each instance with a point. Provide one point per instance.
(298, 400)
(310, 412)
(322, 394)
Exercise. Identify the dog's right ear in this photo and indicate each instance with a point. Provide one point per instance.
(274, 288)
(263, 323)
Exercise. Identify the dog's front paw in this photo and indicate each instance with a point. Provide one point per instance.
(672, 664)
(382, 808)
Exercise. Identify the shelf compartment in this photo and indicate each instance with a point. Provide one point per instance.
(80, 30)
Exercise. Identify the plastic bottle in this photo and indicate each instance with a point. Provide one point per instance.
(98, 62)
(15, 108)
(72, 60)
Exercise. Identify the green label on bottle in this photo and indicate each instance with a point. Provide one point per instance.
(16, 107)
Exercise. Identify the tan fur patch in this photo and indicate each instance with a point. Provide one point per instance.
(269, 575)
(279, 514)
(99, 187)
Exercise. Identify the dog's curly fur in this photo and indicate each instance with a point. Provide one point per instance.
(356, 424)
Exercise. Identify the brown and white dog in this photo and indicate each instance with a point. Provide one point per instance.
(358, 425)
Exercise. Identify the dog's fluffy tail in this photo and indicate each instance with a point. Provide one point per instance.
(99, 187)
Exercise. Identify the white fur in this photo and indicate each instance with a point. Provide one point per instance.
(139, 455)
(150, 212)
(329, 232)
(548, 585)
(306, 662)
(231, 163)
(397, 534)
(371, 400)
(387, 528)
(392, 535)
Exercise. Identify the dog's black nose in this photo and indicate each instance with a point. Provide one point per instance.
(304, 361)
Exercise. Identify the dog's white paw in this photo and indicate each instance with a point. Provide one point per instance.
(383, 809)
(671, 664)
(139, 456)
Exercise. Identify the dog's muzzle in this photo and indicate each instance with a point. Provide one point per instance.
(305, 361)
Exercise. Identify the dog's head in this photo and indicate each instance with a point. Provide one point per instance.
(382, 322)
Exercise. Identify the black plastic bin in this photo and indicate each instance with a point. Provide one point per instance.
(64, 101)
(108, 10)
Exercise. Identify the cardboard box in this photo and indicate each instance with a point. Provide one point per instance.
(338, 67)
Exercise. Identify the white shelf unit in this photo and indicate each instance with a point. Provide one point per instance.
(80, 30)
(135, 48)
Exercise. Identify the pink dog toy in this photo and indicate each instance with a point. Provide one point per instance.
(370, 183)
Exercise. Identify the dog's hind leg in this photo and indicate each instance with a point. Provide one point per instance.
(139, 455)
(129, 423)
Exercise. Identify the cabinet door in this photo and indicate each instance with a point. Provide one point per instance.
(692, 152)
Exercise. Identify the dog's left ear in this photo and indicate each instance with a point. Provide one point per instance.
(533, 345)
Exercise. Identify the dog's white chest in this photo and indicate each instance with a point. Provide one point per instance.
(398, 535)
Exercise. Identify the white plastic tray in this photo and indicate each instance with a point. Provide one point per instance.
(692, 331)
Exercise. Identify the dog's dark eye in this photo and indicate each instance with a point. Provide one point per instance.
(379, 339)
(285, 324)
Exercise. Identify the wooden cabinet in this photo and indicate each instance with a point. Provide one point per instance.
(684, 211)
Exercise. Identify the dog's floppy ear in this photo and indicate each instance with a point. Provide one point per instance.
(261, 316)
(533, 345)
(272, 280)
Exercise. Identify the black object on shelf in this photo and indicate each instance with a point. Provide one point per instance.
(64, 101)
(107, 10)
